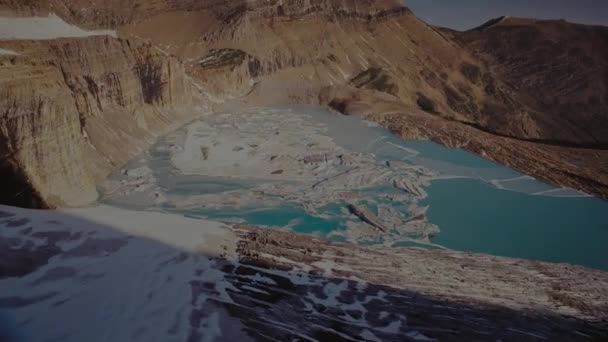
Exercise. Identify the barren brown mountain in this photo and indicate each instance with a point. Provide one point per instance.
(559, 69)
(528, 94)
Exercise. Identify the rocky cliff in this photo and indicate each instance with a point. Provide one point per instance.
(296, 49)
(74, 109)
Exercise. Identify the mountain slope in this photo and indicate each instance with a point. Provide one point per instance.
(557, 68)
(369, 58)
(75, 109)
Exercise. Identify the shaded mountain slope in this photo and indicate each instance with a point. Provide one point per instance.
(557, 68)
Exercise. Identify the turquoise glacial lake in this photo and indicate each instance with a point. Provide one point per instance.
(476, 216)
(478, 205)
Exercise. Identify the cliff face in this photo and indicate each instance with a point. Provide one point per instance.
(294, 49)
(74, 109)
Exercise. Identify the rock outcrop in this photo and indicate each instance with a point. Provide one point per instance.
(75, 109)
(72, 110)
(368, 58)
(421, 81)
(558, 69)
(255, 283)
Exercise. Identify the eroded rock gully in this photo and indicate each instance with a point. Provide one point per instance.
(75, 109)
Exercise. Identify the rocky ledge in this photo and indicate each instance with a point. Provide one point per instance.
(201, 280)
(441, 294)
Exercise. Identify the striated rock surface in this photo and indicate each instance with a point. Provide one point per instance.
(191, 280)
(72, 110)
(421, 81)
(75, 109)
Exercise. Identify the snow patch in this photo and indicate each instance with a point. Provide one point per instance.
(180, 232)
(8, 52)
(140, 291)
(43, 28)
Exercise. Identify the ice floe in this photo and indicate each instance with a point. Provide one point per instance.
(283, 168)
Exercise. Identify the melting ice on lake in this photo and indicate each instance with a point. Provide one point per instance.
(311, 171)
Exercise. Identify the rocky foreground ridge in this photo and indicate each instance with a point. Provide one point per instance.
(206, 280)
(368, 58)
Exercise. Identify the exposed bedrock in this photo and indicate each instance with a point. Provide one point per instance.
(274, 283)
(114, 13)
(441, 294)
(369, 58)
(557, 68)
(75, 109)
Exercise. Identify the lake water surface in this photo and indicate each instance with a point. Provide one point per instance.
(471, 204)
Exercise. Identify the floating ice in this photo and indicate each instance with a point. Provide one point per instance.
(302, 168)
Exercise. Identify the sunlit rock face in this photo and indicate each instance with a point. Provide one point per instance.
(387, 65)
(76, 108)
(116, 95)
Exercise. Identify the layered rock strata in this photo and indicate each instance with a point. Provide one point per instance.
(75, 109)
